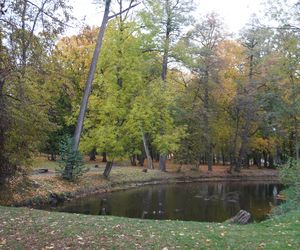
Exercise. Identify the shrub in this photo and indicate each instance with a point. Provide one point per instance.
(289, 175)
(71, 164)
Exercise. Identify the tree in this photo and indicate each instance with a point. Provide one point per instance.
(67, 71)
(285, 70)
(28, 33)
(93, 65)
(246, 102)
(88, 86)
(201, 43)
(165, 20)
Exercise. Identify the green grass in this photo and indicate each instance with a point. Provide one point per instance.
(23, 228)
(41, 162)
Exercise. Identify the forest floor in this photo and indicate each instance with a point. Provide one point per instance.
(36, 189)
(24, 228)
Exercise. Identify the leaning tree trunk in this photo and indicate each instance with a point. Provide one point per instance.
(149, 158)
(91, 74)
(108, 167)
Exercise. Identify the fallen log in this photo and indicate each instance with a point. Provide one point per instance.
(42, 170)
(242, 217)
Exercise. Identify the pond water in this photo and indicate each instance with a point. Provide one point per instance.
(207, 201)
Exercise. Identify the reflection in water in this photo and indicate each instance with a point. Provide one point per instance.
(194, 201)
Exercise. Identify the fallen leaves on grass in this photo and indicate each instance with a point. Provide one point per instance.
(2, 241)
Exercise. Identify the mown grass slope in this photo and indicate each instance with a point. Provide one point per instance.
(23, 228)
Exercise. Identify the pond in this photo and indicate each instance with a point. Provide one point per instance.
(207, 201)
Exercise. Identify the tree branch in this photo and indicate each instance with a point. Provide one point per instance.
(123, 11)
(49, 15)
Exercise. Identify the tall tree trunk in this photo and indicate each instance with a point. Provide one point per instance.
(296, 139)
(92, 154)
(91, 74)
(233, 147)
(163, 157)
(141, 158)
(265, 155)
(248, 161)
(258, 160)
(271, 161)
(243, 149)
(104, 159)
(145, 143)
(5, 166)
(294, 105)
(162, 162)
(3, 127)
(209, 148)
(247, 105)
(133, 160)
(52, 156)
(223, 157)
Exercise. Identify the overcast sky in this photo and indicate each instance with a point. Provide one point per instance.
(235, 12)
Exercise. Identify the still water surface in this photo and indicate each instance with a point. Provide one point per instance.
(208, 201)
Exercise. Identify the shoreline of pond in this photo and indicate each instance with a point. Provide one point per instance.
(43, 190)
(55, 198)
(169, 201)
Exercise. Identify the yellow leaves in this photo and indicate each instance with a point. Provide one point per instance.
(230, 52)
(262, 144)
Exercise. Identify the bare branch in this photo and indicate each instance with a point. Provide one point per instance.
(49, 15)
(125, 10)
(284, 27)
(126, 15)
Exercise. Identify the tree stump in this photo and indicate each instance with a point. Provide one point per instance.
(242, 217)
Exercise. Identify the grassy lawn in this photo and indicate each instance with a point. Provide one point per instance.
(23, 228)
(42, 162)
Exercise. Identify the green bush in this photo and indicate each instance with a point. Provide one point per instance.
(289, 175)
(71, 164)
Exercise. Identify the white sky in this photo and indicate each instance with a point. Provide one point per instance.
(235, 12)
